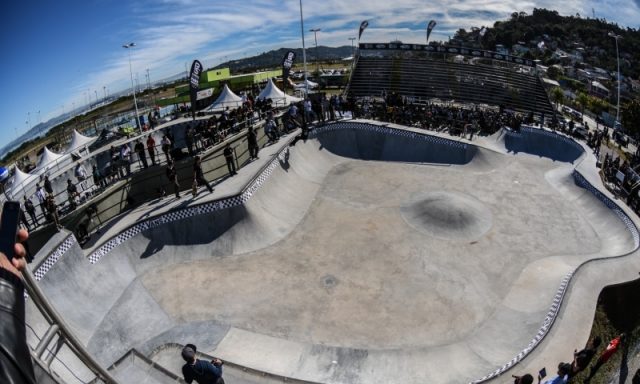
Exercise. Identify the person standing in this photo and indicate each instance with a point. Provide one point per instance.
(81, 175)
(52, 208)
(173, 177)
(198, 175)
(42, 199)
(72, 193)
(47, 185)
(151, 148)
(31, 210)
(252, 140)
(166, 147)
(201, 371)
(125, 156)
(139, 148)
(228, 156)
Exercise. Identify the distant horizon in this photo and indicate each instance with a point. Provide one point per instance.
(66, 56)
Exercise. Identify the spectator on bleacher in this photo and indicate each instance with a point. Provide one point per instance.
(151, 148)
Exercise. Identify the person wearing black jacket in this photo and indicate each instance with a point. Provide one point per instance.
(228, 156)
(15, 359)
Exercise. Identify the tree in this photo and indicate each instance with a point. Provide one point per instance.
(557, 95)
(630, 115)
(583, 100)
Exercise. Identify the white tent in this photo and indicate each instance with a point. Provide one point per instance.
(226, 99)
(21, 180)
(47, 161)
(79, 142)
(310, 84)
(279, 98)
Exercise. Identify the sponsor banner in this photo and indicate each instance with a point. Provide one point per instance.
(363, 26)
(204, 94)
(287, 63)
(446, 49)
(430, 26)
(194, 84)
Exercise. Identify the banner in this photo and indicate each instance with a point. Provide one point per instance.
(430, 26)
(287, 63)
(194, 85)
(363, 26)
(204, 93)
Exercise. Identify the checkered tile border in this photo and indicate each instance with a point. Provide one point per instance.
(185, 213)
(54, 256)
(387, 131)
(560, 293)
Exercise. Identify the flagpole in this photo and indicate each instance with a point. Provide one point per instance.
(304, 53)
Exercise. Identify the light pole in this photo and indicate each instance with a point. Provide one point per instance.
(611, 34)
(304, 53)
(135, 101)
(353, 52)
(315, 37)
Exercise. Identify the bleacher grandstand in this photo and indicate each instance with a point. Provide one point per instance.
(438, 76)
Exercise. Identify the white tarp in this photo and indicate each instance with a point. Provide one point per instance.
(20, 180)
(310, 84)
(279, 98)
(204, 94)
(226, 99)
(49, 160)
(79, 141)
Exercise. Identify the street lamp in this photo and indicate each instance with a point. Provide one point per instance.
(315, 37)
(304, 53)
(611, 34)
(135, 101)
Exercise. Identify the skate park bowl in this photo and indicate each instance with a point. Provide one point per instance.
(366, 253)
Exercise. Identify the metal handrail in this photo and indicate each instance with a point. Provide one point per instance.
(56, 321)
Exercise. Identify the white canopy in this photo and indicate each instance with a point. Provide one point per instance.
(271, 91)
(310, 83)
(47, 160)
(226, 99)
(78, 142)
(20, 180)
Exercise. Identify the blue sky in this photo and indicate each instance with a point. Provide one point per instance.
(56, 53)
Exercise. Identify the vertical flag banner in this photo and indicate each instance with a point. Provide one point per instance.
(194, 84)
(363, 26)
(287, 63)
(430, 26)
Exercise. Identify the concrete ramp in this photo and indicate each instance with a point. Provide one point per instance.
(543, 143)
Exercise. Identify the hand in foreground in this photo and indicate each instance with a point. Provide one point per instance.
(19, 263)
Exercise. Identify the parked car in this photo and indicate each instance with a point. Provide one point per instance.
(620, 138)
(580, 131)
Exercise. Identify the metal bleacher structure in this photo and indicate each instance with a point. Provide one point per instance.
(425, 72)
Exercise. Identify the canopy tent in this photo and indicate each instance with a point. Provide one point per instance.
(21, 180)
(310, 84)
(226, 99)
(279, 98)
(47, 160)
(79, 142)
